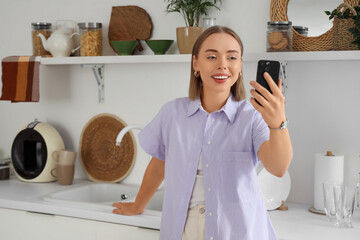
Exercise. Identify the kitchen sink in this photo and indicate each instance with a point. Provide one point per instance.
(102, 195)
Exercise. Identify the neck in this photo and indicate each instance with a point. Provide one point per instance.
(212, 102)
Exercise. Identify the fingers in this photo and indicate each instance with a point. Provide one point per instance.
(256, 105)
(260, 99)
(276, 90)
(117, 205)
(118, 211)
(263, 91)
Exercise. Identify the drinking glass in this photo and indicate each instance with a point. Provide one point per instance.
(329, 201)
(344, 204)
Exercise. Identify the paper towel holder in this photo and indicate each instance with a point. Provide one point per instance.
(329, 153)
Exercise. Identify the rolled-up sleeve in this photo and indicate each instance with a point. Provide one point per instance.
(260, 132)
(151, 137)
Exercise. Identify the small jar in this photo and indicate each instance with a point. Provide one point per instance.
(209, 22)
(279, 37)
(90, 39)
(45, 29)
(301, 30)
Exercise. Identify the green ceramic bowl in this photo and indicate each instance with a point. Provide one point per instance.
(124, 47)
(159, 46)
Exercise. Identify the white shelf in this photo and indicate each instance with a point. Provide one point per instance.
(97, 63)
(186, 58)
(174, 58)
(311, 56)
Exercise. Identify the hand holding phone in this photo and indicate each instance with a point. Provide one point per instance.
(270, 103)
(271, 67)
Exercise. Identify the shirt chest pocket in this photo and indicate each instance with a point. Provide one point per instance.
(238, 177)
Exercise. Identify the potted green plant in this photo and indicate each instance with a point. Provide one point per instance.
(191, 10)
(346, 35)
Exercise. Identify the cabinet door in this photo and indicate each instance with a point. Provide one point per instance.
(15, 225)
(111, 231)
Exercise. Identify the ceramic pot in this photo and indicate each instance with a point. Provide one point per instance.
(186, 37)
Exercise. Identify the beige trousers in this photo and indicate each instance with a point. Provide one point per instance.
(195, 224)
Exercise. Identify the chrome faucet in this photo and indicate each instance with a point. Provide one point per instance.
(124, 131)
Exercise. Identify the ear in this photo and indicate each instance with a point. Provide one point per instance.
(194, 60)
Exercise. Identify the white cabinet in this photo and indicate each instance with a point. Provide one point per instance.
(15, 225)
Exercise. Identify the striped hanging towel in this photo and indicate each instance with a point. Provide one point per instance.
(20, 78)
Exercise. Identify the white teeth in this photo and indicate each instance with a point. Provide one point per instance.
(220, 77)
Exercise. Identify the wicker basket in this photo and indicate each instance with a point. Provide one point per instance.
(342, 37)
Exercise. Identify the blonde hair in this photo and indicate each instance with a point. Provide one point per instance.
(195, 87)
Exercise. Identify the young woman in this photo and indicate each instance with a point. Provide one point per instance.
(208, 145)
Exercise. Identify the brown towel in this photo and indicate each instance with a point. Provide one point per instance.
(20, 78)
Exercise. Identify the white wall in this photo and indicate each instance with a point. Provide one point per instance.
(321, 98)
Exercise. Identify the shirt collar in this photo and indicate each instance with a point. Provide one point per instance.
(193, 107)
(229, 108)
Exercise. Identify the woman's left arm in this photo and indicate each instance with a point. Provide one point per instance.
(276, 153)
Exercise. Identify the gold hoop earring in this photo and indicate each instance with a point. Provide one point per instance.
(196, 74)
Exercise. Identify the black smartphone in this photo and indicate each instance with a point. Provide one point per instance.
(270, 66)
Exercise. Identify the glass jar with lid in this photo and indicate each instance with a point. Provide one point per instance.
(301, 30)
(279, 37)
(45, 29)
(90, 39)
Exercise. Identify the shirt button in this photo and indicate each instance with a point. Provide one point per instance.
(213, 120)
(201, 210)
(209, 142)
(210, 214)
(211, 238)
(209, 189)
(207, 165)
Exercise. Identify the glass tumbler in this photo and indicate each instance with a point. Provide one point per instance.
(329, 201)
(344, 204)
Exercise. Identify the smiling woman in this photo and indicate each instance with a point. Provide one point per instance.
(217, 69)
(207, 147)
(234, 55)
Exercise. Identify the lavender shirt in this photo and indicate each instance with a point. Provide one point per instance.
(229, 140)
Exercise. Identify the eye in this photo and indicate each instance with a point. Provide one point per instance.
(211, 57)
(233, 58)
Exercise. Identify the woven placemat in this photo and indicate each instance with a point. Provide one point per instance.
(101, 159)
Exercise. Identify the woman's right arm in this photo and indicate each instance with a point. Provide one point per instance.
(153, 177)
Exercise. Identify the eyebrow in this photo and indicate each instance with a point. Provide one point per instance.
(213, 50)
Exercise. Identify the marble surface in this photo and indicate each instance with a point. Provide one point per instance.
(295, 224)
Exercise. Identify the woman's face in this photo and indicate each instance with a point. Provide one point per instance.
(219, 63)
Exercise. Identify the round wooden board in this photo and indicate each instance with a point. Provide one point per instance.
(101, 159)
(129, 23)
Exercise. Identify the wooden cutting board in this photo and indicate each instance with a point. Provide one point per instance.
(101, 159)
(129, 23)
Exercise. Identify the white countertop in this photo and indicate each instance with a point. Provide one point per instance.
(18, 195)
(295, 224)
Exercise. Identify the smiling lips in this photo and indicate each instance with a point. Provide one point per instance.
(220, 78)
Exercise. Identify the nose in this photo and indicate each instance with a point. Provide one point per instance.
(222, 63)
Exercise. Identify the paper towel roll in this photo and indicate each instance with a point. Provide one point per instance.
(327, 169)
